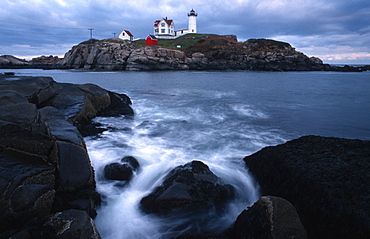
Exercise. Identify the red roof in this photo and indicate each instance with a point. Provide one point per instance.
(151, 37)
(169, 22)
(129, 33)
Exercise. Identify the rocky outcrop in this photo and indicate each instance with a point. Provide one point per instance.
(153, 58)
(44, 166)
(254, 54)
(188, 187)
(200, 52)
(270, 217)
(7, 61)
(213, 53)
(103, 55)
(326, 179)
(46, 60)
(42, 62)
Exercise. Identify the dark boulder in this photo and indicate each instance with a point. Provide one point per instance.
(117, 171)
(270, 217)
(132, 161)
(191, 186)
(81, 103)
(326, 179)
(119, 105)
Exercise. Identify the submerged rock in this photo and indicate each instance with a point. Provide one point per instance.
(132, 161)
(121, 171)
(117, 171)
(191, 186)
(326, 179)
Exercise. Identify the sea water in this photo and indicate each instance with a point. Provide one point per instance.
(215, 117)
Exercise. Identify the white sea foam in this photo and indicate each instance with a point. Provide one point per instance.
(160, 142)
(248, 110)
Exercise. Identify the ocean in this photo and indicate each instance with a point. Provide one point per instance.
(217, 117)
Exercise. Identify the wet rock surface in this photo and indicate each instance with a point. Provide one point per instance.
(326, 179)
(67, 224)
(117, 171)
(269, 217)
(44, 164)
(123, 170)
(188, 187)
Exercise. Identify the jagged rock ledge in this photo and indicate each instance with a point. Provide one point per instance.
(47, 185)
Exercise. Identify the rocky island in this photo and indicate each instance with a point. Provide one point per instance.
(188, 52)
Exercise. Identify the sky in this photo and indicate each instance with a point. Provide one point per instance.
(336, 31)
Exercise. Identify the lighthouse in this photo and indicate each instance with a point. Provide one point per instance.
(192, 28)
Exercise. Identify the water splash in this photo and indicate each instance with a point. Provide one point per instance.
(162, 137)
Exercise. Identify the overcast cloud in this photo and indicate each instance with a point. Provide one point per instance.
(337, 31)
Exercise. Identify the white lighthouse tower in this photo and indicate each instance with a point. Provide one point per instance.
(192, 28)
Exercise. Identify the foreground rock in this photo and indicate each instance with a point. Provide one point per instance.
(269, 217)
(67, 224)
(326, 179)
(188, 187)
(44, 165)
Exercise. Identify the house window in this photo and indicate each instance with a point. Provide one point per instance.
(162, 24)
(163, 30)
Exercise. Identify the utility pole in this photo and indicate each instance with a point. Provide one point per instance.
(91, 29)
(114, 34)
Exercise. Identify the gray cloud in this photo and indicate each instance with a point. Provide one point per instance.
(320, 27)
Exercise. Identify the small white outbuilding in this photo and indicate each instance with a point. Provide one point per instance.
(126, 35)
